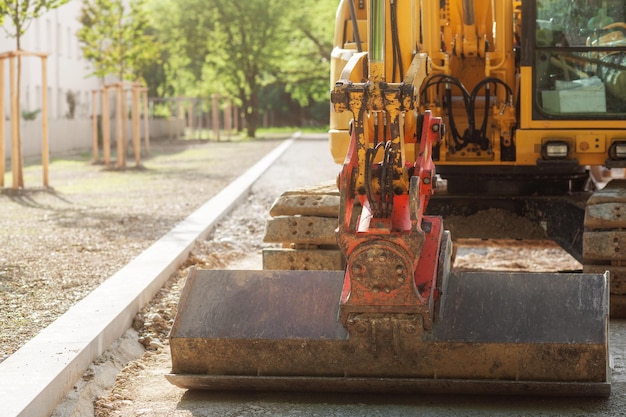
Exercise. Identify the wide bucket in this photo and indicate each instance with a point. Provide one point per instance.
(494, 333)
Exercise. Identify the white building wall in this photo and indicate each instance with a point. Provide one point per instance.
(53, 33)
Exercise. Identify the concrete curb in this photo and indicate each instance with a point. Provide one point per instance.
(36, 377)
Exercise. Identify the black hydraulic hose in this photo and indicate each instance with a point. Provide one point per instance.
(455, 133)
(355, 26)
(437, 79)
(397, 53)
(486, 82)
(386, 181)
(370, 154)
(368, 181)
(494, 81)
(384, 116)
(469, 100)
(483, 127)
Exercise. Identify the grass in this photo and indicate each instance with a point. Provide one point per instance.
(261, 133)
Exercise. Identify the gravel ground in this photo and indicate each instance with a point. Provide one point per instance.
(128, 380)
(58, 244)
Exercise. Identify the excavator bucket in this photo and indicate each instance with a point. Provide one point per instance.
(492, 333)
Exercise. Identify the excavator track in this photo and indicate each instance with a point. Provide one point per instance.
(604, 240)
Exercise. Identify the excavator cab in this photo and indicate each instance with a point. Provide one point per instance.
(398, 318)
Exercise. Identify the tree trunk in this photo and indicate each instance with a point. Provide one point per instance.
(251, 121)
(252, 113)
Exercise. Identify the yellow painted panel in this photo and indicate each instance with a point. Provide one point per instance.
(590, 143)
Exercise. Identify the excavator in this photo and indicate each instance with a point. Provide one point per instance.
(440, 108)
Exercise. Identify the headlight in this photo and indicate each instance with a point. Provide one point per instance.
(554, 150)
(617, 150)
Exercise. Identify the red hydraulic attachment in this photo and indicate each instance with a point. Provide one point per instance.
(392, 262)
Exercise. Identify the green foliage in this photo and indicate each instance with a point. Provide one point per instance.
(262, 54)
(30, 115)
(249, 39)
(116, 39)
(181, 28)
(97, 17)
(21, 12)
(307, 69)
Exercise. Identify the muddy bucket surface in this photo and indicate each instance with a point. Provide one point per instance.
(494, 333)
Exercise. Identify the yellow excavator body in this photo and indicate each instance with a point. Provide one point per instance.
(439, 107)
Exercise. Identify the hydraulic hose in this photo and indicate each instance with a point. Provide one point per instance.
(355, 26)
(395, 40)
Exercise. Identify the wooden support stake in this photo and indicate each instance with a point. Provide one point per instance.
(2, 126)
(45, 156)
(94, 125)
(216, 118)
(15, 154)
(135, 122)
(106, 127)
(146, 126)
(200, 118)
(119, 124)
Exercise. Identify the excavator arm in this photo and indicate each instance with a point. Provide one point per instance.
(397, 319)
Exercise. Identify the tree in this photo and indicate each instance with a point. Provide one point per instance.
(97, 18)
(307, 69)
(182, 28)
(21, 13)
(275, 49)
(116, 40)
(248, 40)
